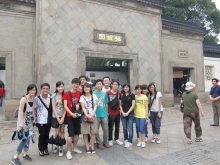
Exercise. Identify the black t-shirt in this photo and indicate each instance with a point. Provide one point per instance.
(126, 102)
(182, 89)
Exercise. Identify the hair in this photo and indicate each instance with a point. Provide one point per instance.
(82, 76)
(75, 80)
(57, 85)
(106, 77)
(215, 79)
(30, 87)
(137, 87)
(124, 85)
(144, 86)
(115, 81)
(44, 84)
(155, 91)
(98, 80)
(87, 85)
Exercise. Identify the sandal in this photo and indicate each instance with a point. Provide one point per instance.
(189, 142)
(200, 139)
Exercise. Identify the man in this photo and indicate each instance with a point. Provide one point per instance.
(214, 96)
(2, 93)
(106, 84)
(101, 115)
(181, 90)
(114, 113)
(73, 119)
(43, 110)
(83, 80)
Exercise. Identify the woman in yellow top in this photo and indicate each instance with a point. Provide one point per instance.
(141, 114)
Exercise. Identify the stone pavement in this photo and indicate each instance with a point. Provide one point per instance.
(172, 150)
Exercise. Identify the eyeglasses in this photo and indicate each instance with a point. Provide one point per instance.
(114, 84)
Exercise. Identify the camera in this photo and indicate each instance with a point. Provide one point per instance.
(78, 115)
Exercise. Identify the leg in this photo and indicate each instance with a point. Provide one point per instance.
(136, 128)
(117, 126)
(76, 138)
(110, 126)
(104, 124)
(92, 141)
(142, 131)
(196, 120)
(98, 140)
(1, 101)
(130, 127)
(217, 103)
(62, 127)
(47, 133)
(125, 128)
(20, 147)
(153, 116)
(158, 124)
(187, 122)
(85, 138)
(215, 114)
(41, 130)
(26, 146)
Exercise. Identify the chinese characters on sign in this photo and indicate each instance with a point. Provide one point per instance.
(109, 37)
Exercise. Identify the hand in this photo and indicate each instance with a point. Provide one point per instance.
(89, 116)
(21, 125)
(74, 115)
(34, 121)
(202, 114)
(126, 114)
(159, 115)
(146, 117)
(61, 120)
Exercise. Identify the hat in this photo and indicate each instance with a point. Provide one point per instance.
(190, 85)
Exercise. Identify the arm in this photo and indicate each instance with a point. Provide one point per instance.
(84, 111)
(121, 109)
(68, 110)
(133, 105)
(159, 107)
(146, 107)
(21, 112)
(200, 107)
(181, 101)
(94, 108)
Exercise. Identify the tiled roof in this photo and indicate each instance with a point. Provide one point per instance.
(159, 3)
(178, 24)
(210, 47)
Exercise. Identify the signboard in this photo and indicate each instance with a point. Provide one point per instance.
(111, 38)
(178, 74)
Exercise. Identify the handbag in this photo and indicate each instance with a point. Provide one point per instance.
(182, 107)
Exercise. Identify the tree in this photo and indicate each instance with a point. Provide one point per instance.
(197, 11)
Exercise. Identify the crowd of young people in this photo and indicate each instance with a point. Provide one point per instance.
(84, 111)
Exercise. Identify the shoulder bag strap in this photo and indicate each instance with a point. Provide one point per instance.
(44, 103)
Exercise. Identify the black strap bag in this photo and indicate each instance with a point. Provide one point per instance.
(114, 103)
(80, 111)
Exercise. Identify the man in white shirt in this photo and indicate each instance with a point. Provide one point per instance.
(106, 84)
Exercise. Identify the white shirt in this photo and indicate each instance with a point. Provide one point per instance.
(154, 106)
(88, 102)
(105, 90)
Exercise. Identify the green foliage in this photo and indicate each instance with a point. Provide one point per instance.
(197, 11)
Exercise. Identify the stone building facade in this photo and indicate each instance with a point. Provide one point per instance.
(49, 41)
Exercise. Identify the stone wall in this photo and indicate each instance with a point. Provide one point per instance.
(65, 26)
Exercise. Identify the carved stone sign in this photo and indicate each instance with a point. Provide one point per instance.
(112, 38)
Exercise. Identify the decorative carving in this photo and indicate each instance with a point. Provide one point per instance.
(183, 54)
(183, 35)
(208, 72)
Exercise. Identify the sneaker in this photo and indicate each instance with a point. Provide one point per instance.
(146, 140)
(153, 140)
(119, 142)
(15, 161)
(128, 144)
(61, 153)
(55, 150)
(101, 147)
(41, 153)
(27, 157)
(106, 145)
(143, 144)
(126, 141)
(93, 151)
(139, 144)
(46, 152)
(69, 155)
(110, 142)
(76, 150)
(88, 151)
(158, 140)
(200, 139)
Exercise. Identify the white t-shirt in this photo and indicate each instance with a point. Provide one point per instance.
(88, 102)
(155, 107)
(105, 90)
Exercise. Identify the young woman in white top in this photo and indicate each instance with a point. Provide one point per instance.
(58, 114)
(156, 111)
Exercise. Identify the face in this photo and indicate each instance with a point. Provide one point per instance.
(45, 90)
(32, 92)
(75, 86)
(106, 82)
(214, 82)
(82, 81)
(151, 88)
(86, 89)
(138, 91)
(98, 85)
(144, 91)
(60, 88)
(115, 86)
(126, 89)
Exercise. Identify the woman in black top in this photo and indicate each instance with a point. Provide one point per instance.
(127, 104)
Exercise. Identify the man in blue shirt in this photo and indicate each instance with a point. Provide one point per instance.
(101, 114)
(214, 96)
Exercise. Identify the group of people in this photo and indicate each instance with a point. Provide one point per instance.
(84, 111)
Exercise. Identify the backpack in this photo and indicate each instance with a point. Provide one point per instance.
(114, 103)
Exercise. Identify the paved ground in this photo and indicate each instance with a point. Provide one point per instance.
(172, 150)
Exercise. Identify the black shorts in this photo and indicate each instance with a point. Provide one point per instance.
(74, 126)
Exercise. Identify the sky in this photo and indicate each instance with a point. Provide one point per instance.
(217, 2)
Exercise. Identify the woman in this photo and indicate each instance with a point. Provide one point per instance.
(156, 112)
(141, 114)
(58, 114)
(89, 124)
(26, 118)
(192, 107)
(127, 104)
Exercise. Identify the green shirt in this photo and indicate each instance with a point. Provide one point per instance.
(189, 99)
(102, 100)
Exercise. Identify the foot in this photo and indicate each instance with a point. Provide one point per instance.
(60, 152)
(55, 150)
(158, 140)
(189, 141)
(15, 161)
(110, 143)
(143, 144)
(76, 150)
(88, 151)
(126, 141)
(93, 151)
(27, 157)
(106, 145)
(69, 155)
(101, 147)
(153, 140)
(119, 142)
(128, 144)
(41, 153)
(200, 139)
(139, 144)
(46, 152)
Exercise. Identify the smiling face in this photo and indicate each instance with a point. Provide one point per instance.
(82, 81)
(99, 85)
(45, 90)
(86, 89)
(126, 89)
(152, 88)
(32, 92)
(138, 91)
(214, 82)
(60, 88)
(106, 82)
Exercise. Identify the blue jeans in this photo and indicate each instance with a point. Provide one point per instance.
(146, 132)
(1, 101)
(24, 144)
(140, 122)
(127, 123)
(156, 122)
